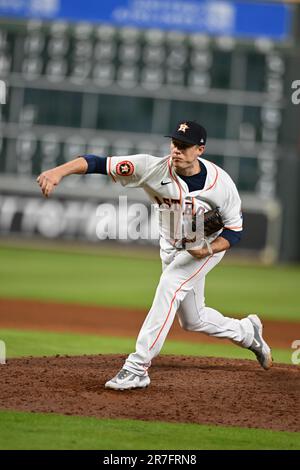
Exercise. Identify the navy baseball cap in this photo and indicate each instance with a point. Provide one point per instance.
(189, 132)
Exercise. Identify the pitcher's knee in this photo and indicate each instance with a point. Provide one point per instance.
(186, 325)
(167, 285)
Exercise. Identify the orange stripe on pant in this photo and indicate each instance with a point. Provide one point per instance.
(173, 298)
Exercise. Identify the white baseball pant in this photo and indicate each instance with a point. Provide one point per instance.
(181, 289)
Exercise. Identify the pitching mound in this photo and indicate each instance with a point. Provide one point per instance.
(183, 389)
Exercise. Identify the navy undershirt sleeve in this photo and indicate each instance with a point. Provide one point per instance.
(96, 164)
(231, 236)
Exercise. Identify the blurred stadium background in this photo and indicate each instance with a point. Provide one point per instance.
(113, 79)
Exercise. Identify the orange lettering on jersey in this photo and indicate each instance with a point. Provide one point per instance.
(175, 201)
(169, 202)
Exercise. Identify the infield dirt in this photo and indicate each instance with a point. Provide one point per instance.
(183, 389)
(115, 321)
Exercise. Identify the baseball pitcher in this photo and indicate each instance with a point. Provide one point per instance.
(182, 180)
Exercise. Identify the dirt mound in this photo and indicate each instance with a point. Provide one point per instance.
(183, 389)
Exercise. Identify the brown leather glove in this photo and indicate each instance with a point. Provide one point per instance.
(212, 222)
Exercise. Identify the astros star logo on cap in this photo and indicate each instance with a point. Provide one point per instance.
(183, 127)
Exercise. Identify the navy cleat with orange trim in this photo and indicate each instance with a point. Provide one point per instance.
(259, 347)
(126, 380)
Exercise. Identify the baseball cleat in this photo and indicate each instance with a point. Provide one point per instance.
(259, 347)
(126, 380)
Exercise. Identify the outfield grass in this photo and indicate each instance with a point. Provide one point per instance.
(34, 343)
(78, 278)
(131, 281)
(44, 431)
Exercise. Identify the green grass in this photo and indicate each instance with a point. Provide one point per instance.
(35, 343)
(44, 431)
(78, 278)
(131, 281)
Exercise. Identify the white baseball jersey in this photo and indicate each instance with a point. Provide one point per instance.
(164, 186)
